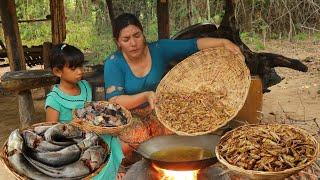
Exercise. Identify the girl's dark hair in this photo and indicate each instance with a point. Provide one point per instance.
(123, 21)
(66, 55)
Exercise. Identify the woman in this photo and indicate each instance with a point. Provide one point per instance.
(133, 72)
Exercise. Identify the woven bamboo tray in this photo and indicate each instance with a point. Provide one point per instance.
(87, 126)
(4, 158)
(203, 92)
(253, 174)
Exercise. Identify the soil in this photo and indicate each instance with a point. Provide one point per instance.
(296, 100)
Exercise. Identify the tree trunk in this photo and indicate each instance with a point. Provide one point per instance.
(85, 5)
(189, 7)
(58, 21)
(78, 7)
(208, 10)
(163, 19)
(111, 12)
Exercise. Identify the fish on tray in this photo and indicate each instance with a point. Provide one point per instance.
(60, 151)
(102, 114)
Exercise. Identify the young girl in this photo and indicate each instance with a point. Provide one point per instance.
(72, 92)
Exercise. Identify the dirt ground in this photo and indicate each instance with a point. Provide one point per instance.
(296, 100)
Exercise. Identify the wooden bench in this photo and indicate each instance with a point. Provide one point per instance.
(31, 79)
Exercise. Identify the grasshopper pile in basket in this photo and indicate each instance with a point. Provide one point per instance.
(267, 148)
(193, 112)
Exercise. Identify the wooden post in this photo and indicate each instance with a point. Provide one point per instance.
(251, 111)
(12, 37)
(16, 56)
(58, 21)
(46, 48)
(163, 19)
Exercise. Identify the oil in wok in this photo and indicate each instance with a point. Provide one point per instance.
(182, 154)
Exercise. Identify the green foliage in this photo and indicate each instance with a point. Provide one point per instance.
(316, 36)
(32, 9)
(89, 40)
(300, 37)
(217, 19)
(252, 39)
(152, 33)
(35, 33)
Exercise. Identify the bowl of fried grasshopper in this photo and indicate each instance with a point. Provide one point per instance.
(267, 151)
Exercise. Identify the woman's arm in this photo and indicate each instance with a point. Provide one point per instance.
(133, 101)
(52, 115)
(204, 43)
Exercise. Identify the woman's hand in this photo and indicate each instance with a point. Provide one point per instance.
(204, 43)
(151, 98)
(231, 47)
(133, 101)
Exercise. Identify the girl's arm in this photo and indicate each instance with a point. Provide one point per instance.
(52, 115)
(204, 43)
(133, 101)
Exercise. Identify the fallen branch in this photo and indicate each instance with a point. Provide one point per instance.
(310, 28)
(261, 64)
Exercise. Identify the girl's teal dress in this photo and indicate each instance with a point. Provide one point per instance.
(64, 103)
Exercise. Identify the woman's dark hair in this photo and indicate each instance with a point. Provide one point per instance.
(66, 55)
(123, 21)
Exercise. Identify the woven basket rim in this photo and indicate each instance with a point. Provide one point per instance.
(188, 60)
(85, 125)
(4, 157)
(282, 173)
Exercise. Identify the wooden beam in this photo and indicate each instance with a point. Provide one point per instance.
(58, 21)
(12, 36)
(163, 19)
(31, 20)
(16, 57)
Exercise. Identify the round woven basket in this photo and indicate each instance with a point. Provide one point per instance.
(203, 92)
(253, 174)
(4, 157)
(87, 126)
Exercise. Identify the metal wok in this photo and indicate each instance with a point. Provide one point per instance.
(147, 148)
